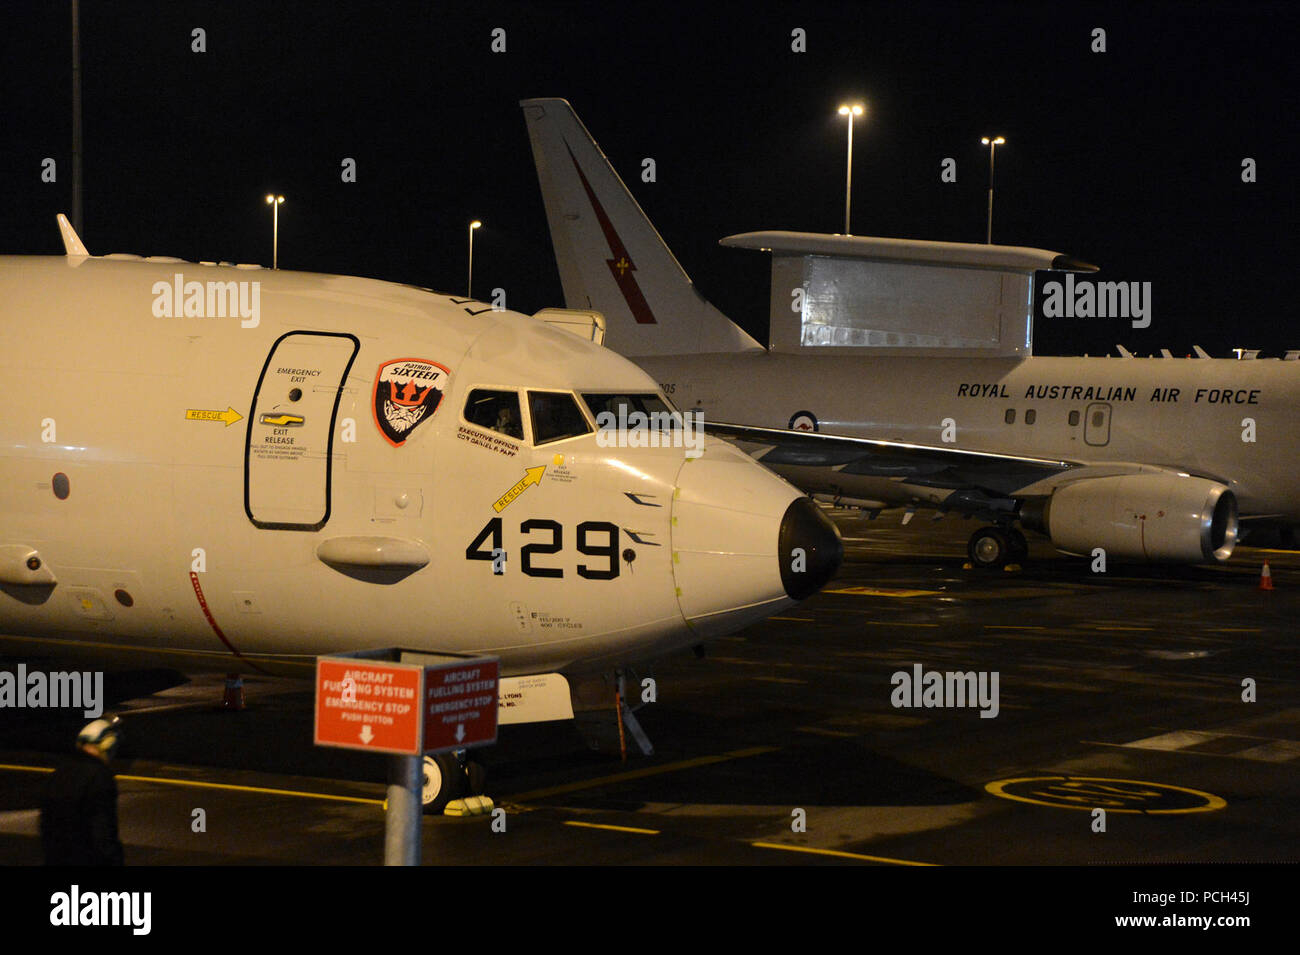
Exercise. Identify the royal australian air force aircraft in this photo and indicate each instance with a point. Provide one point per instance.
(900, 373)
(244, 468)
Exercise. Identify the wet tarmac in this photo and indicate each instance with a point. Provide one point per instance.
(784, 745)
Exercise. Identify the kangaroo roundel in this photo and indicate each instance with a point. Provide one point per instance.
(407, 392)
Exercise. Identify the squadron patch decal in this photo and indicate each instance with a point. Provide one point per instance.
(407, 392)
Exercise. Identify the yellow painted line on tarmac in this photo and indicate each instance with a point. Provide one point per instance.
(207, 785)
(643, 773)
(794, 619)
(838, 853)
(600, 825)
(897, 623)
(823, 731)
(1122, 628)
(1008, 626)
(232, 787)
(883, 592)
(198, 784)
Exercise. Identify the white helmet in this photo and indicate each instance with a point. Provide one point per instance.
(102, 734)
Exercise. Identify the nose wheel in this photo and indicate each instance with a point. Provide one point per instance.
(446, 778)
(997, 547)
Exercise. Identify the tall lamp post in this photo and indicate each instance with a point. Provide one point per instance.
(469, 284)
(992, 144)
(850, 112)
(275, 202)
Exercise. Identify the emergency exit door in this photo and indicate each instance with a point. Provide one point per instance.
(1096, 425)
(291, 430)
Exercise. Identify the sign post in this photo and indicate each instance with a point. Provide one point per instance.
(403, 811)
(406, 704)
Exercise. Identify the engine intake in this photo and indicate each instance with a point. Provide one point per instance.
(1158, 517)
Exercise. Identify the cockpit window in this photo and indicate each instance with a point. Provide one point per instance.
(496, 411)
(555, 416)
(626, 412)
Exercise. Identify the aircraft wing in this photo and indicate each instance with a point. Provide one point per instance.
(932, 466)
(977, 477)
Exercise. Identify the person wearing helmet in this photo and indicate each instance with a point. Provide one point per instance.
(79, 811)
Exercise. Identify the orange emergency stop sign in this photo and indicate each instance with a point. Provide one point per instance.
(367, 704)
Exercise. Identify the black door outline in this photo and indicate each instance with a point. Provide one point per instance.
(329, 449)
(1088, 425)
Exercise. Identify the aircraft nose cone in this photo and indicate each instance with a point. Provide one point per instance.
(810, 549)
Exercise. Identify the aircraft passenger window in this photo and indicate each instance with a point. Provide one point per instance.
(1031, 416)
(633, 412)
(555, 416)
(1074, 418)
(1010, 417)
(496, 411)
(1098, 419)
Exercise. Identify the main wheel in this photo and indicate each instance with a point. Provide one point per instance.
(444, 780)
(989, 547)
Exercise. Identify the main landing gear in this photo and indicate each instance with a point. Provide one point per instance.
(996, 546)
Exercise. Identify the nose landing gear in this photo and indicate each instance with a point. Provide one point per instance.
(450, 776)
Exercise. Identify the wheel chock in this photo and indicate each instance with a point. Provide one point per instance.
(470, 806)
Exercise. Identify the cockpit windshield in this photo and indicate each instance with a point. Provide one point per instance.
(628, 412)
(495, 410)
(555, 416)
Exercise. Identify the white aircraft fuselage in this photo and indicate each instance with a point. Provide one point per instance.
(1231, 420)
(255, 485)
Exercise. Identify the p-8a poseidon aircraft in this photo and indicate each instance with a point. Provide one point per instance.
(254, 467)
(900, 373)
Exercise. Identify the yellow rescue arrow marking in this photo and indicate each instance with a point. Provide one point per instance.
(229, 416)
(531, 476)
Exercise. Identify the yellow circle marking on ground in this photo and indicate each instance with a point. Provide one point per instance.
(1108, 791)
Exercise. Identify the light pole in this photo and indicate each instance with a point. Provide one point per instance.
(992, 144)
(275, 202)
(850, 112)
(469, 284)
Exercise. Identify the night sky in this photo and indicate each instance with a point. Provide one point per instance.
(1130, 158)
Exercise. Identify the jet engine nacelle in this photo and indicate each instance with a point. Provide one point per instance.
(1161, 517)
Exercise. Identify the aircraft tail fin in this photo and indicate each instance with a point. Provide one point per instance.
(72, 244)
(610, 256)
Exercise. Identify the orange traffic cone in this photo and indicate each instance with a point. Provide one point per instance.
(1265, 578)
(233, 698)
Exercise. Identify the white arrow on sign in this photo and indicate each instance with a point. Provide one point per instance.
(460, 732)
(366, 734)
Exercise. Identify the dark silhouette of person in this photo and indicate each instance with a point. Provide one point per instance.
(79, 811)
